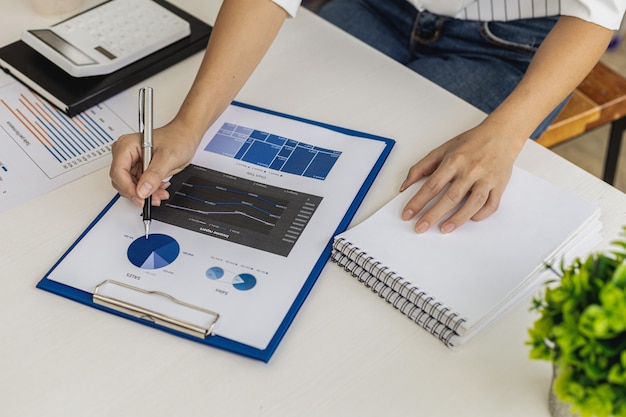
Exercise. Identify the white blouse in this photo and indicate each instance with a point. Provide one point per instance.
(607, 13)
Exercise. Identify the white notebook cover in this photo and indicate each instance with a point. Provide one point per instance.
(483, 267)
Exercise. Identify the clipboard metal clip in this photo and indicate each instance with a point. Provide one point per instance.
(199, 322)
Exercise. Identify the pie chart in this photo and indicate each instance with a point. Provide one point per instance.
(214, 273)
(157, 251)
(244, 282)
(241, 282)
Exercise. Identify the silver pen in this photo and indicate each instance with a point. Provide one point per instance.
(145, 127)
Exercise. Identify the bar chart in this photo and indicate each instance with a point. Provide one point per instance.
(55, 142)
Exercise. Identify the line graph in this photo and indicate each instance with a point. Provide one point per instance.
(236, 209)
(258, 212)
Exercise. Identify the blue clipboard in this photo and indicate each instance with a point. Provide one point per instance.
(215, 340)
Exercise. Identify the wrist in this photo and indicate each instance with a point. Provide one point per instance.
(508, 127)
(185, 131)
(195, 117)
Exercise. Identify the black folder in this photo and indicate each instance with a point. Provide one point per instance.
(74, 95)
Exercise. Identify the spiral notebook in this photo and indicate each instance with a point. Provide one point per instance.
(456, 285)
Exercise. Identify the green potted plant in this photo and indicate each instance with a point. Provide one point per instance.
(581, 329)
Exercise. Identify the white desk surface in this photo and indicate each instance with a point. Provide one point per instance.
(347, 353)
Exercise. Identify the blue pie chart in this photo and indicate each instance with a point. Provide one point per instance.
(157, 251)
(241, 282)
(214, 273)
(244, 282)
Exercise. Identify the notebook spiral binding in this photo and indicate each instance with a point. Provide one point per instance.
(414, 303)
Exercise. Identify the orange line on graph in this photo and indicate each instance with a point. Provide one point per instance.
(79, 124)
(36, 111)
(19, 116)
(72, 120)
(35, 130)
(35, 126)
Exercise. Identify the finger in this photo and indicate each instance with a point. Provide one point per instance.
(124, 167)
(491, 206)
(477, 200)
(449, 200)
(423, 168)
(159, 196)
(162, 166)
(427, 192)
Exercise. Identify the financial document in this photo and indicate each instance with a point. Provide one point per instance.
(41, 148)
(245, 228)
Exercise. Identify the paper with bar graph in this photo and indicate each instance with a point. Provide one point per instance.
(41, 148)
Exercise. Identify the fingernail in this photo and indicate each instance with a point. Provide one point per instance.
(144, 190)
(447, 227)
(421, 227)
(402, 186)
(408, 214)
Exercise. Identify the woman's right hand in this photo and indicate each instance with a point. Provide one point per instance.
(173, 149)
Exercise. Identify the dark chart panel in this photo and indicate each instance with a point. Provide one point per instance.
(237, 209)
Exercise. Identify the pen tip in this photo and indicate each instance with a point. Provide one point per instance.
(147, 227)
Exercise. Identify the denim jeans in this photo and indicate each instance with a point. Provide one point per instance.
(480, 62)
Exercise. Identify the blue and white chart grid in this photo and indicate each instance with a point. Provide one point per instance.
(273, 151)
